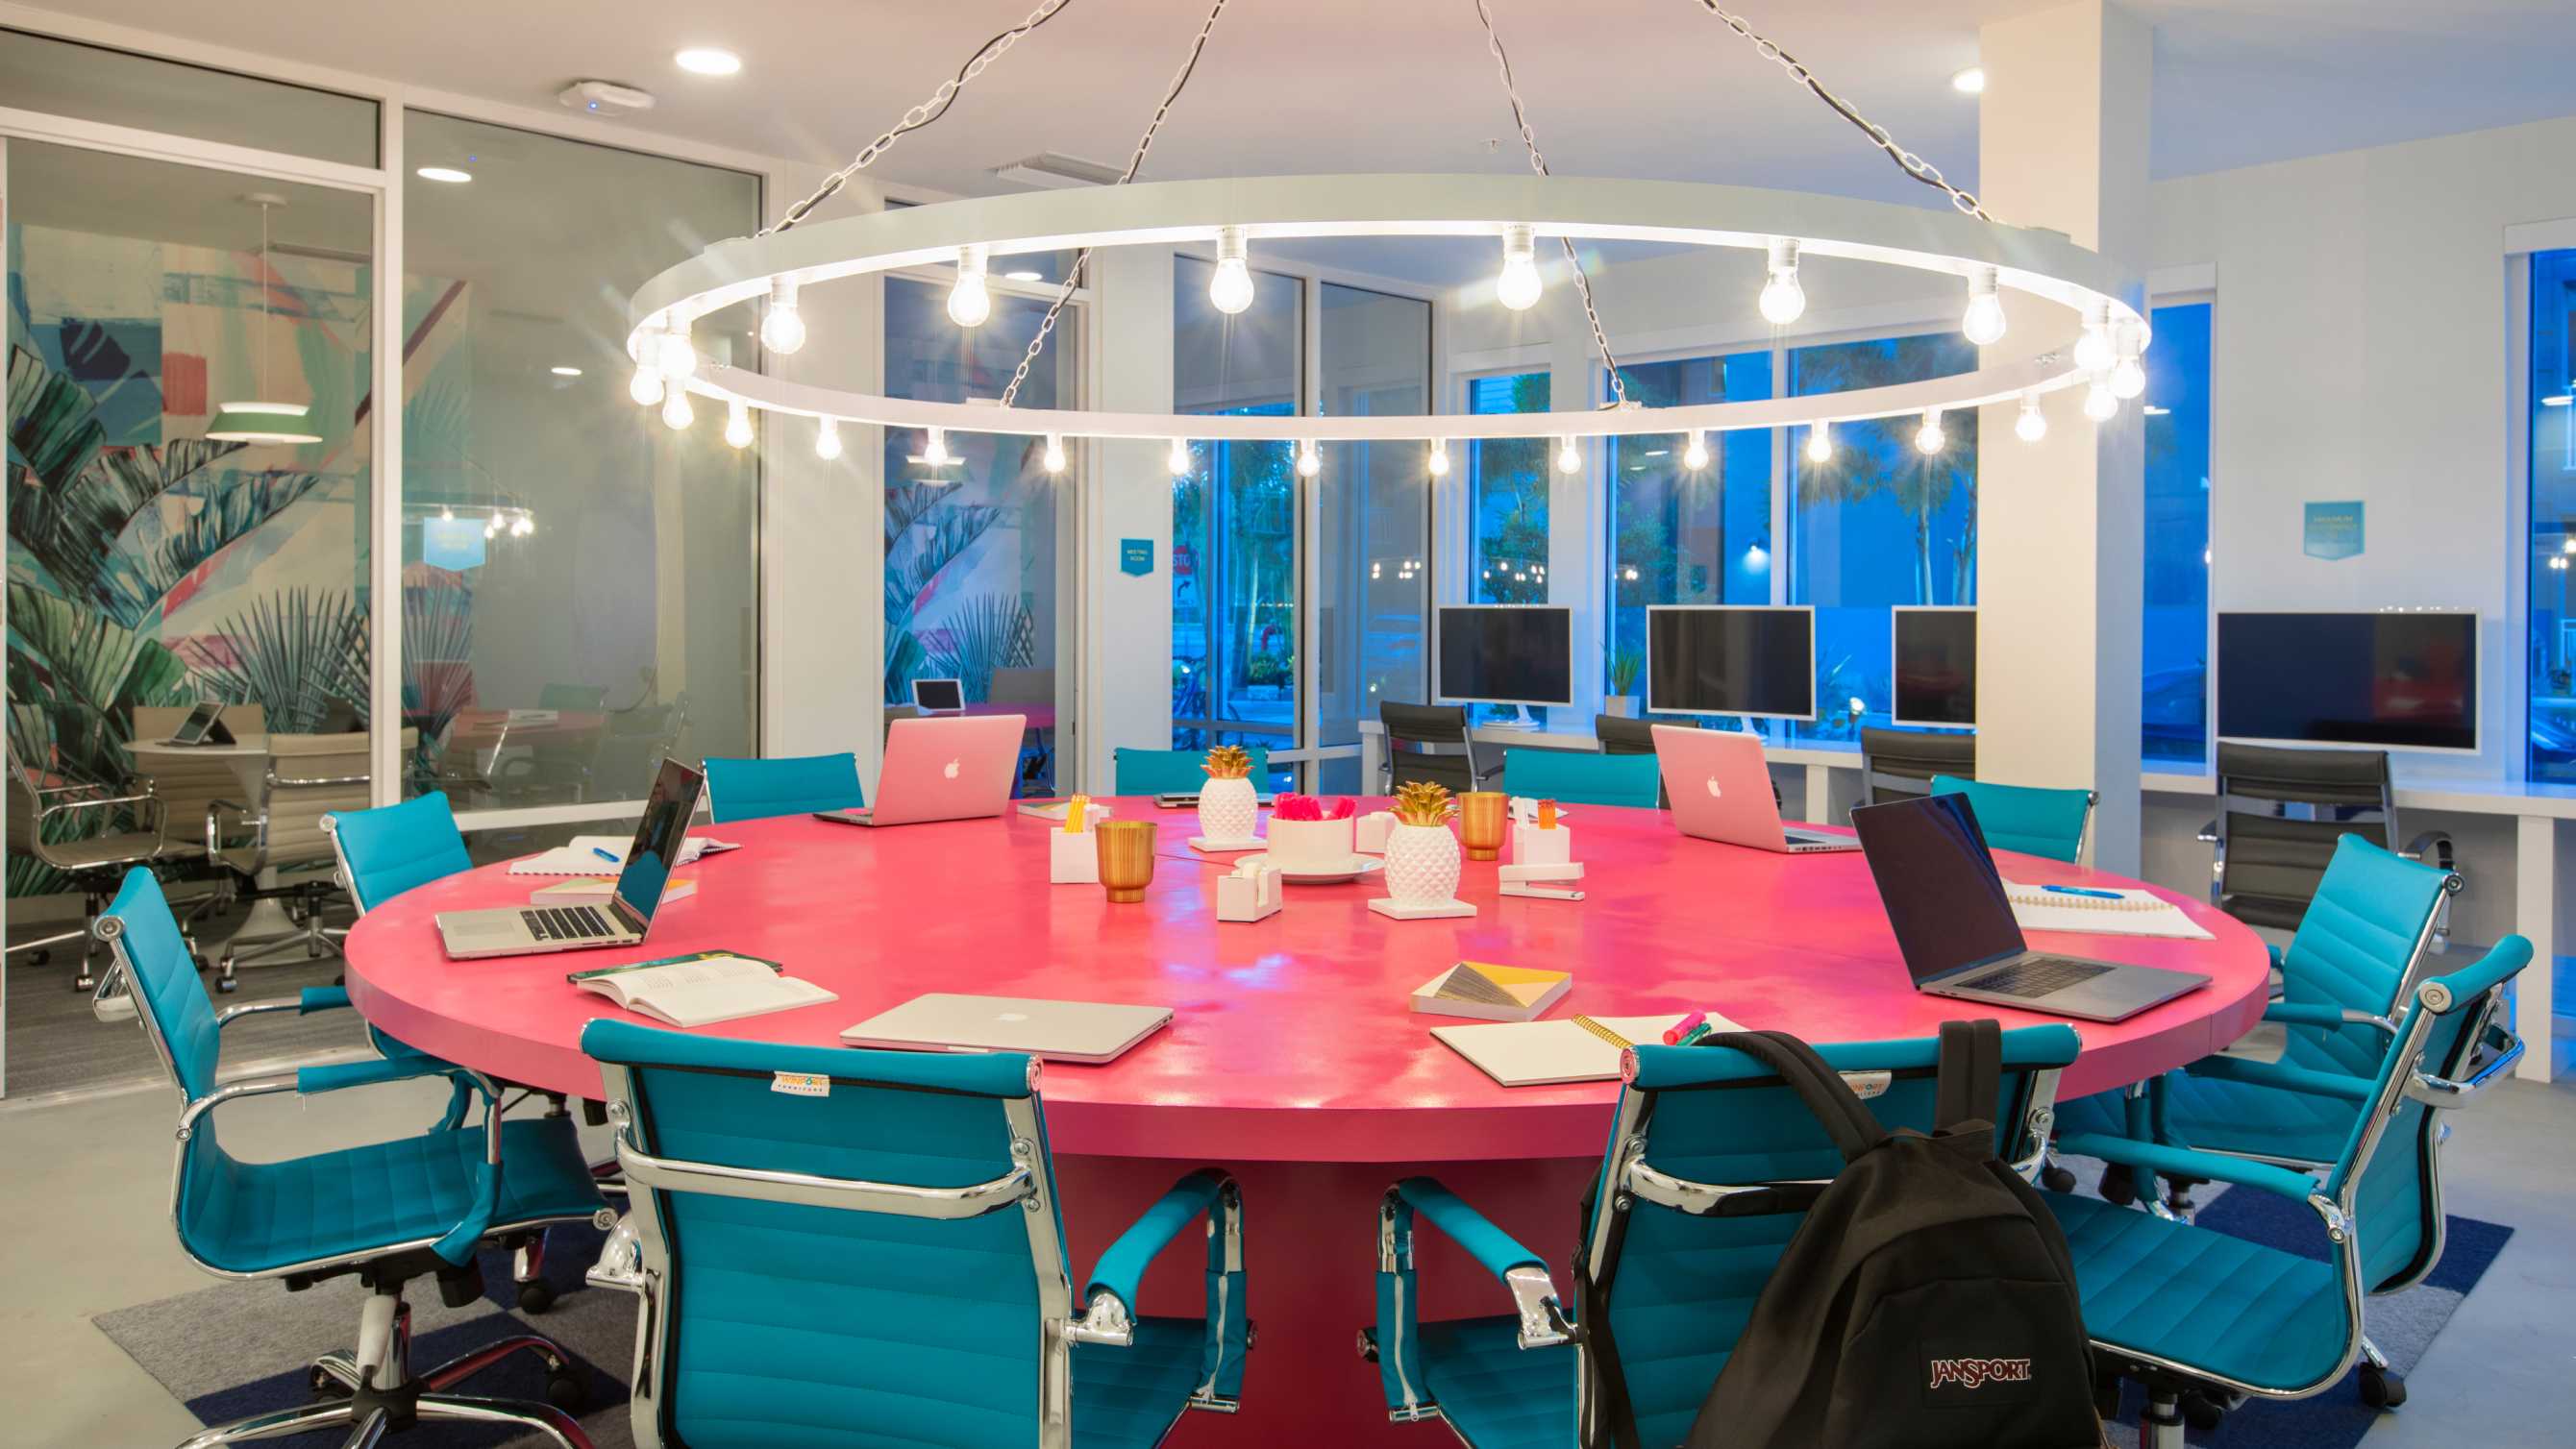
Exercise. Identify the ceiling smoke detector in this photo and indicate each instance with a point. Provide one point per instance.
(605, 98)
(1055, 171)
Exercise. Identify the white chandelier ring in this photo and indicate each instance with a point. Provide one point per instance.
(2037, 264)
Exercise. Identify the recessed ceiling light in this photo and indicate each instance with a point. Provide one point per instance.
(2560, 401)
(443, 173)
(1023, 276)
(2156, 412)
(707, 60)
(565, 371)
(1970, 82)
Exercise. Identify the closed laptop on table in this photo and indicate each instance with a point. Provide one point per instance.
(1065, 1031)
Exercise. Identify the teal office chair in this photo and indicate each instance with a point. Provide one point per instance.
(791, 785)
(864, 1247)
(1712, 1163)
(2344, 980)
(1176, 772)
(2204, 1321)
(1576, 777)
(387, 1213)
(2031, 820)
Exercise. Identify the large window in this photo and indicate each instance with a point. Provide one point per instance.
(1684, 535)
(1878, 524)
(579, 591)
(2174, 705)
(1372, 522)
(2553, 516)
(1507, 481)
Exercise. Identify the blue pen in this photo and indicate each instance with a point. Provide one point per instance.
(2065, 890)
(613, 858)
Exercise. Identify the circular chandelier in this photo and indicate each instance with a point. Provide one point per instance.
(1514, 213)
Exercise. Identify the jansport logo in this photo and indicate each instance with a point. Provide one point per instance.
(1976, 1373)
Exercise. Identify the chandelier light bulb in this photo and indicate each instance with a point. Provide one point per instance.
(492, 527)
(1984, 321)
(1230, 289)
(523, 525)
(1783, 300)
(673, 355)
(782, 328)
(2100, 403)
(1569, 458)
(676, 412)
(1178, 458)
(2128, 375)
(737, 424)
(1820, 443)
(446, 513)
(1517, 286)
(645, 386)
(1695, 457)
(2093, 351)
(1929, 439)
(2032, 425)
(934, 449)
(969, 303)
(1309, 461)
(1054, 459)
(1438, 464)
(827, 440)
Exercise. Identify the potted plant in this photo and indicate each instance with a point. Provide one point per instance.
(1421, 853)
(1624, 667)
(1228, 804)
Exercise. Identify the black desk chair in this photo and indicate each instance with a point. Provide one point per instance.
(2280, 812)
(1418, 737)
(1624, 735)
(1900, 764)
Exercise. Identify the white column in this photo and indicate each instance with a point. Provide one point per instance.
(1127, 493)
(2063, 145)
(2535, 909)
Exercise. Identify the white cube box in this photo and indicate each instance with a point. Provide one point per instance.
(1533, 846)
(1250, 892)
(1073, 857)
(1368, 837)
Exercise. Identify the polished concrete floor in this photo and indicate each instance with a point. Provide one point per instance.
(87, 1184)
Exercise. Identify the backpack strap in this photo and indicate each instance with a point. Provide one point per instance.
(1972, 1063)
(1826, 1094)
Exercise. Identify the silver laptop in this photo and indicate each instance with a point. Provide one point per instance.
(528, 930)
(1720, 789)
(1956, 929)
(1064, 1031)
(956, 767)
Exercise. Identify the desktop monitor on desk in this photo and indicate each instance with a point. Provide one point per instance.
(1740, 659)
(2395, 679)
(1520, 654)
(1935, 649)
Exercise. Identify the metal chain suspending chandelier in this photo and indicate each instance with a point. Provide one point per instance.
(1989, 258)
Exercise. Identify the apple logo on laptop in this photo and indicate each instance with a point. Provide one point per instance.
(951, 770)
(1714, 792)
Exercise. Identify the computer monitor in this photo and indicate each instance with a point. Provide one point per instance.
(2400, 679)
(1747, 659)
(1935, 649)
(1506, 654)
(938, 696)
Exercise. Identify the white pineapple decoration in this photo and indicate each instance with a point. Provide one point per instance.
(1228, 805)
(1421, 852)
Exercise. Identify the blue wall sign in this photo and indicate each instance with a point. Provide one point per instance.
(1136, 556)
(2334, 530)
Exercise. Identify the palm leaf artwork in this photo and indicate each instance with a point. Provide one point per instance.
(438, 645)
(925, 533)
(76, 527)
(156, 556)
(291, 653)
(985, 633)
(83, 673)
(53, 426)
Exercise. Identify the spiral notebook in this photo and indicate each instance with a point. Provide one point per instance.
(2120, 913)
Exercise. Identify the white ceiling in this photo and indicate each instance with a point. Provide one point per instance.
(1615, 87)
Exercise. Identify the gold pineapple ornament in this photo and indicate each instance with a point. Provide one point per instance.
(1229, 806)
(1423, 802)
(1228, 762)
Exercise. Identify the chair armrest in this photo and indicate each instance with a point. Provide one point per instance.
(2288, 1078)
(2317, 1013)
(1543, 1323)
(321, 998)
(231, 1014)
(217, 809)
(1110, 1298)
(2185, 1162)
(369, 1072)
(2208, 833)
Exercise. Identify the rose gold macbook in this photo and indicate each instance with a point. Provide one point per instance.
(1721, 790)
(955, 767)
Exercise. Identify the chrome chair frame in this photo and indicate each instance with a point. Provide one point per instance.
(380, 1366)
(94, 898)
(637, 1256)
(303, 900)
(2430, 847)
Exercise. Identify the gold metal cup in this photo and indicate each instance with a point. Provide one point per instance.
(1126, 858)
(1482, 816)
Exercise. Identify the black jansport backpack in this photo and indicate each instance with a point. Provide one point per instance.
(1926, 1302)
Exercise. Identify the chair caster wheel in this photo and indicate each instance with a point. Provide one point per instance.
(2119, 1186)
(324, 1385)
(39, 957)
(227, 985)
(2381, 1389)
(2200, 1413)
(2056, 1178)
(536, 1296)
(84, 982)
(565, 1390)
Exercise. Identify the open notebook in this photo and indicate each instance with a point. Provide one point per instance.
(1569, 1049)
(592, 854)
(702, 989)
(2133, 913)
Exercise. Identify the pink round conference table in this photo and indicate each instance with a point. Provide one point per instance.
(1292, 1059)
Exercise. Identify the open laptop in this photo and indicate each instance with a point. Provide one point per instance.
(1721, 790)
(203, 726)
(1956, 928)
(527, 930)
(1064, 1031)
(938, 696)
(957, 767)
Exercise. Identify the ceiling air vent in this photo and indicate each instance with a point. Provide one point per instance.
(1053, 171)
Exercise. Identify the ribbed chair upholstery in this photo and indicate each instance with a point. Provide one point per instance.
(279, 836)
(1621, 734)
(1676, 1286)
(2344, 979)
(1900, 764)
(790, 785)
(1578, 777)
(1419, 742)
(392, 848)
(2270, 861)
(2184, 1308)
(186, 785)
(1175, 772)
(2029, 819)
(877, 1259)
(391, 1210)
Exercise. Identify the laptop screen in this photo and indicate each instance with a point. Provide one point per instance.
(938, 696)
(1939, 884)
(658, 837)
(199, 721)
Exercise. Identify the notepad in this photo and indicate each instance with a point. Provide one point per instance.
(702, 989)
(1544, 1053)
(2134, 913)
(1488, 992)
(582, 856)
(592, 890)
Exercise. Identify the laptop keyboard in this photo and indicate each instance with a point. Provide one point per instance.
(2035, 976)
(569, 923)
